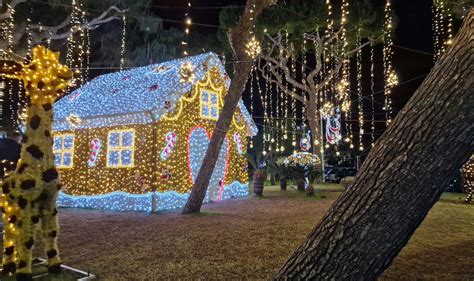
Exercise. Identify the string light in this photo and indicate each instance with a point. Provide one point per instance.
(10, 24)
(252, 73)
(77, 50)
(360, 109)
(344, 84)
(2, 87)
(122, 45)
(372, 98)
(187, 28)
(442, 27)
(303, 77)
(390, 76)
(265, 112)
(158, 100)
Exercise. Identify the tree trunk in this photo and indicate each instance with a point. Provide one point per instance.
(314, 120)
(239, 37)
(402, 178)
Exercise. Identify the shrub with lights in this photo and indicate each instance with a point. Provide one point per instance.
(135, 139)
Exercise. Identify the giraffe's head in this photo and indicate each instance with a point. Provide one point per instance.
(44, 77)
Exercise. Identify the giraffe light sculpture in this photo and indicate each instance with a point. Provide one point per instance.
(30, 192)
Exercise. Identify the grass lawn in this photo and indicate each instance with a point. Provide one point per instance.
(248, 239)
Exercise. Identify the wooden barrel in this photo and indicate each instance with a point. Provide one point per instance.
(258, 180)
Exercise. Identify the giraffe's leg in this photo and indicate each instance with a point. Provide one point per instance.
(9, 216)
(29, 218)
(50, 229)
(10, 219)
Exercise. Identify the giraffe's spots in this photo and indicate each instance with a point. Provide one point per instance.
(12, 219)
(41, 85)
(29, 243)
(43, 196)
(28, 101)
(35, 122)
(55, 212)
(27, 184)
(35, 219)
(21, 264)
(29, 86)
(47, 133)
(9, 268)
(22, 202)
(47, 106)
(53, 234)
(6, 188)
(55, 268)
(35, 151)
(9, 250)
(32, 67)
(22, 168)
(50, 175)
(51, 253)
(24, 276)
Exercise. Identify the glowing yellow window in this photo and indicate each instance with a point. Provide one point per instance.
(209, 104)
(63, 149)
(121, 148)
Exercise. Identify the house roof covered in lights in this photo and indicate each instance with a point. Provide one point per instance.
(135, 96)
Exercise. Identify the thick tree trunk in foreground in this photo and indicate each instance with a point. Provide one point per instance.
(402, 178)
(239, 37)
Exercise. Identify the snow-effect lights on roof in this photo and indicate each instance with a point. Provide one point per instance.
(137, 96)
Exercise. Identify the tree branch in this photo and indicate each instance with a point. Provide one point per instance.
(10, 8)
(41, 33)
(278, 81)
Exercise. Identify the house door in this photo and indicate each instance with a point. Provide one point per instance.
(197, 145)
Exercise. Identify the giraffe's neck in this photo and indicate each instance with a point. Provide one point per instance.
(37, 143)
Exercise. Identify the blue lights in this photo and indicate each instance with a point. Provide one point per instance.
(198, 143)
(122, 201)
(136, 96)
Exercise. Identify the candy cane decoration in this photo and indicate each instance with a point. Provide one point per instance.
(238, 141)
(95, 148)
(170, 139)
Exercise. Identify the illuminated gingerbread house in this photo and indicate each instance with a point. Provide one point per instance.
(135, 140)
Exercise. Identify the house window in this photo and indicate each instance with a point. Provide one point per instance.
(120, 149)
(209, 104)
(63, 149)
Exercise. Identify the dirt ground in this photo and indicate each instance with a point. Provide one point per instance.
(247, 239)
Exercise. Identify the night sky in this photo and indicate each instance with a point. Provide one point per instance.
(412, 58)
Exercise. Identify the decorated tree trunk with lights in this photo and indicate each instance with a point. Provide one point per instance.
(468, 178)
(239, 39)
(401, 179)
(30, 192)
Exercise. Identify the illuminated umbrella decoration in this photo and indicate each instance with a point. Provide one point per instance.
(303, 160)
